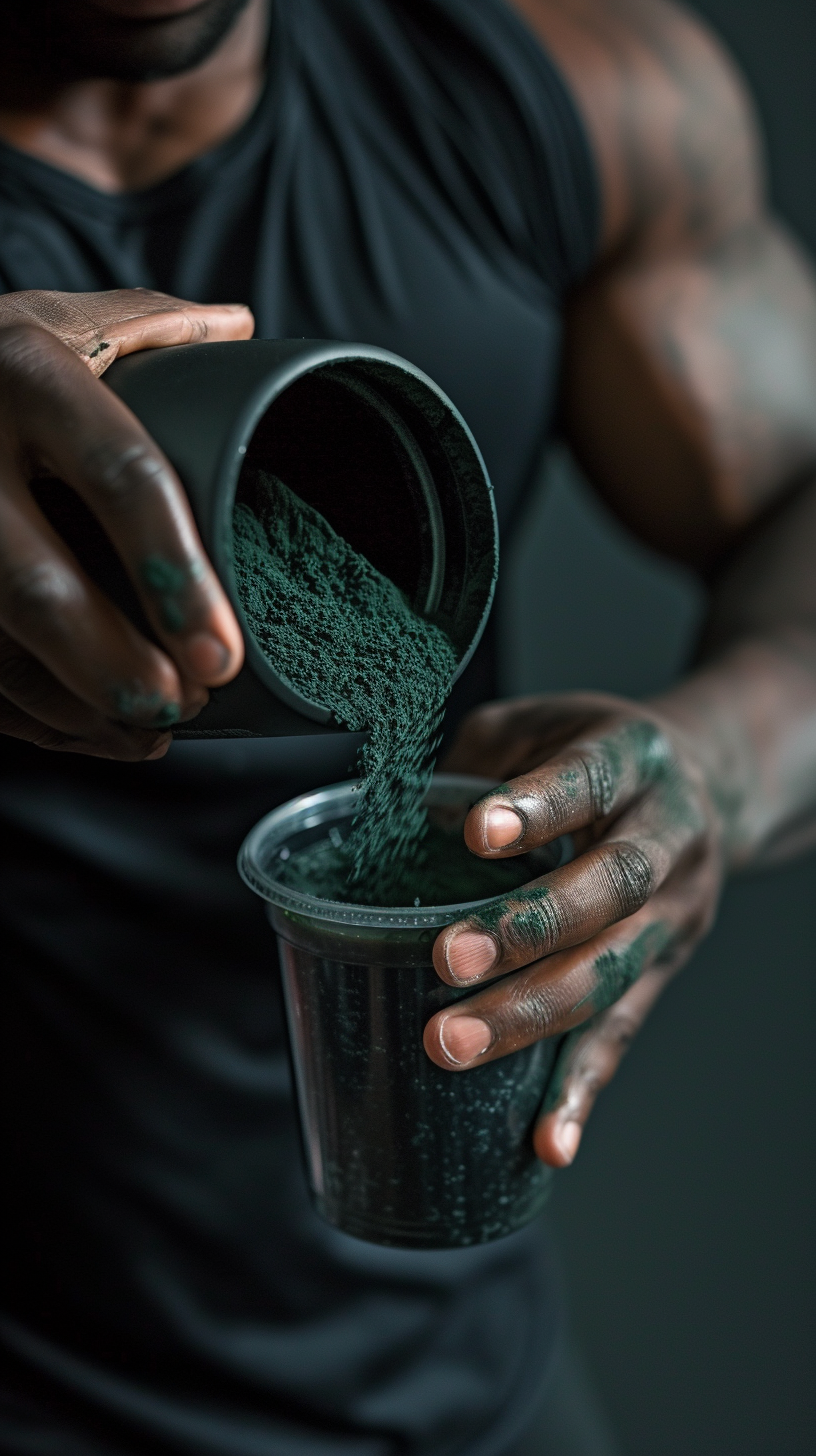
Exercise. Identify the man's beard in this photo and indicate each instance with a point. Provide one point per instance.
(78, 40)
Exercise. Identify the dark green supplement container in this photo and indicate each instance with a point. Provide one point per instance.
(360, 434)
(397, 1151)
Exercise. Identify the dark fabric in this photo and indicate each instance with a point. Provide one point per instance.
(570, 1420)
(414, 176)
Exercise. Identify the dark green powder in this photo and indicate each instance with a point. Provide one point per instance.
(441, 872)
(344, 636)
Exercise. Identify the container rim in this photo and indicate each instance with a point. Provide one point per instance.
(323, 806)
(313, 357)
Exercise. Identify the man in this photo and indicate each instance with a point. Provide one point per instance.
(515, 197)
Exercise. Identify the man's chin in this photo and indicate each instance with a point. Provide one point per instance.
(121, 40)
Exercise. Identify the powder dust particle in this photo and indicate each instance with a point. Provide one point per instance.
(345, 637)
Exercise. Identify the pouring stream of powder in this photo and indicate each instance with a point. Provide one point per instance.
(344, 636)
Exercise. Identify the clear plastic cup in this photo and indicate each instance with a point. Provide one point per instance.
(397, 1151)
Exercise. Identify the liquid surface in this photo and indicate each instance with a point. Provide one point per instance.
(345, 637)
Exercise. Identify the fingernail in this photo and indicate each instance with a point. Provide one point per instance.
(161, 750)
(470, 954)
(502, 827)
(569, 1136)
(206, 655)
(464, 1037)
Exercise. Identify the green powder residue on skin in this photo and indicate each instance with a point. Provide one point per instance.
(618, 969)
(170, 585)
(344, 636)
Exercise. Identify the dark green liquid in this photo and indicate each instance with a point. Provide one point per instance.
(344, 636)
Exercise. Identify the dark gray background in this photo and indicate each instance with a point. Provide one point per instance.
(688, 1220)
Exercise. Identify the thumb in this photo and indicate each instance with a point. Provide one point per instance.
(188, 323)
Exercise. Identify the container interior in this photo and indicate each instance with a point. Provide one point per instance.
(327, 812)
(396, 474)
(344, 453)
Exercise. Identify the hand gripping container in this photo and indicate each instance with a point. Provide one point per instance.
(360, 434)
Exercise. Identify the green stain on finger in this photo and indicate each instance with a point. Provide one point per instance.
(169, 583)
(168, 714)
(618, 969)
(570, 781)
(527, 921)
(147, 710)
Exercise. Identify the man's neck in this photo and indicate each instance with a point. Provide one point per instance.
(121, 135)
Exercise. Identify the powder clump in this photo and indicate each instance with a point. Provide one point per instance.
(345, 636)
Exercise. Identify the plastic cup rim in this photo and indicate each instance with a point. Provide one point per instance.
(339, 912)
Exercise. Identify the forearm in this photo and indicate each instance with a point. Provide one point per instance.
(751, 705)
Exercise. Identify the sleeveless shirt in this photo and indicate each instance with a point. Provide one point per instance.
(415, 176)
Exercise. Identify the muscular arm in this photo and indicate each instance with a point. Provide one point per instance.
(690, 361)
(690, 399)
(690, 386)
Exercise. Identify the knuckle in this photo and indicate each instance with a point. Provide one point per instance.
(630, 877)
(24, 345)
(44, 737)
(38, 591)
(598, 1060)
(122, 472)
(600, 783)
(534, 925)
(620, 1029)
(593, 1079)
(198, 329)
(652, 750)
(531, 1011)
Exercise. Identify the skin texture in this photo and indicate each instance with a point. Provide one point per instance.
(80, 102)
(689, 395)
(74, 674)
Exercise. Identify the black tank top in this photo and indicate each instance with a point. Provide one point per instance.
(413, 176)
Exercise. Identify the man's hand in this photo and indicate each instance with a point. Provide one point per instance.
(74, 673)
(592, 944)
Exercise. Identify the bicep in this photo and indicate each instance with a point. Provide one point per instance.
(689, 386)
(689, 380)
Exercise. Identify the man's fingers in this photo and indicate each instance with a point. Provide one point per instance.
(560, 992)
(61, 619)
(611, 881)
(101, 326)
(605, 884)
(184, 323)
(126, 745)
(499, 740)
(34, 705)
(587, 781)
(587, 1062)
(74, 428)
